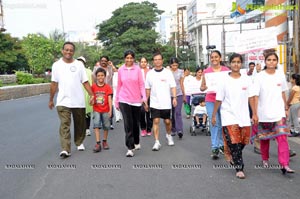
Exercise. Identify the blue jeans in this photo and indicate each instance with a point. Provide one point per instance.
(101, 120)
(215, 131)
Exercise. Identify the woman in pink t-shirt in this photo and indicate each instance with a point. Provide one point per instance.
(217, 144)
(130, 96)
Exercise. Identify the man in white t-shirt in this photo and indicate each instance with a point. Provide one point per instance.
(68, 76)
(159, 84)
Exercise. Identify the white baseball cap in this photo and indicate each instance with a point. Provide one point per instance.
(82, 58)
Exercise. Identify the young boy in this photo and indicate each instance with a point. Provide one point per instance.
(200, 111)
(102, 108)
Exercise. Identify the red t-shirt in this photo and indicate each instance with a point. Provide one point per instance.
(101, 94)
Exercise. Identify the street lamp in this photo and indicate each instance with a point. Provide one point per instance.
(62, 18)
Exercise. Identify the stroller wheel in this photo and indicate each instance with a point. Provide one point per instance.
(207, 133)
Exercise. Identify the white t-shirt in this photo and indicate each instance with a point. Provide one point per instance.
(200, 110)
(234, 95)
(160, 84)
(178, 74)
(195, 87)
(69, 77)
(269, 90)
(187, 83)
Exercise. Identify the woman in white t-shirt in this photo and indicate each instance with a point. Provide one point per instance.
(233, 96)
(187, 83)
(271, 107)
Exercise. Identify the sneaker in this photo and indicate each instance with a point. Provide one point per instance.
(170, 140)
(173, 133)
(180, 134)
(143, 133)
(87, 132)
(97, 148)
(156, 146)
(81, 147)
(203, 125)
(112, 127)
(221, 150)
(149, 133)
(188, 117)
(129, 153)
(137, 146)
(105, 145)
(197, 126)
(215, 154)
(64, 154)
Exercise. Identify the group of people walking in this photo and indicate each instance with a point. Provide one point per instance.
(145, 96)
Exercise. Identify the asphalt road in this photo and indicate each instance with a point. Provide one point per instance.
(30, 167)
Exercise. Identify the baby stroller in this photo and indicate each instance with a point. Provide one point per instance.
(194, 129)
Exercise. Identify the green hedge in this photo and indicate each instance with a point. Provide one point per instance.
(1, 83)
(27, 78)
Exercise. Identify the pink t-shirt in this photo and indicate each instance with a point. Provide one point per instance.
(211, 97)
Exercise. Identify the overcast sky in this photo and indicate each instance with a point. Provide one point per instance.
(31, 16)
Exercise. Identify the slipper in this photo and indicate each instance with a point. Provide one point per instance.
(240, 175)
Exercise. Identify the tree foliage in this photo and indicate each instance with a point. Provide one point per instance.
(90, 53)
(130, 27)
(11, 54)
(40, 52)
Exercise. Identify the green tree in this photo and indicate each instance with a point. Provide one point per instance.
(40, 52)
(130, 27)
(90, 53)
(58, 38)
(11, 54)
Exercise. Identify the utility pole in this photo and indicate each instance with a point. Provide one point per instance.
(296, 42)
(62, 18)
(207, 43)
(223, 39)
(2, 29)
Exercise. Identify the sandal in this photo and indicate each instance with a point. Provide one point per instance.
(240, 175)
(265, 163)
(287, 169)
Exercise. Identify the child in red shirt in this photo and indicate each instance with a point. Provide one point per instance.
(102, 108)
